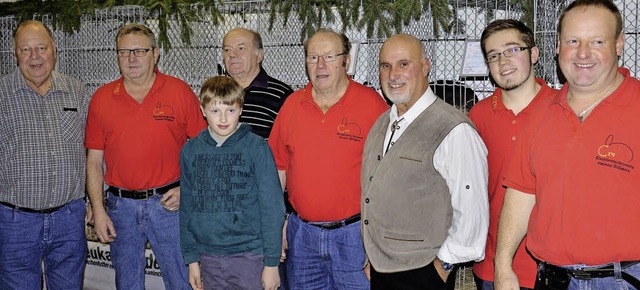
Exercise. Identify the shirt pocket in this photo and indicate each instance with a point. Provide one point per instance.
(71, 125)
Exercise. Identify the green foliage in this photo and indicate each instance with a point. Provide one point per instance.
(527, 6)
(441, 15)
(66, 15)
(311, 13)
(165, 9)
(379, 17)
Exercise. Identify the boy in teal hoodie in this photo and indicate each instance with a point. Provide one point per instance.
(231, 202)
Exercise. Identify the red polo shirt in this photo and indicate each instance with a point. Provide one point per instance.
(499, 128)
(142, 142)
(322, 152)
(585, 177)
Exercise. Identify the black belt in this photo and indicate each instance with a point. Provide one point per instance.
(597, 272)
(333, 225)
(25, 209)
(141, 194)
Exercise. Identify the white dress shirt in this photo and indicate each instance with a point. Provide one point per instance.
(461, 159)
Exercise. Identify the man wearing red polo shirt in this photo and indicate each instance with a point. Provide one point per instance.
(317, 141)
(137, 126)
(573, 183)
(510, 51)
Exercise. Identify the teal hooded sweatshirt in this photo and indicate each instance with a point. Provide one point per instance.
(231, 201)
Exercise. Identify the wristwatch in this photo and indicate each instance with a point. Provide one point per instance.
(447, 267)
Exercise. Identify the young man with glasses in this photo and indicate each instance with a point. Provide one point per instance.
(317, 141)
(137, 126)
(510, 52)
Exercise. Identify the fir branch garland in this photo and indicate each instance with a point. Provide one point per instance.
(382, 17)
(378, 17)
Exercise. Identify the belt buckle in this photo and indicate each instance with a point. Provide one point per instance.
(581, 274)
(332, 225)
(144, 193)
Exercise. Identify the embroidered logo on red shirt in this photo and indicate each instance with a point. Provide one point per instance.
(616, 155)
(163, 112)
(494, 101)
(349, 131)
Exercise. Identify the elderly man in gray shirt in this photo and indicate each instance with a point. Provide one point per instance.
(42, 168)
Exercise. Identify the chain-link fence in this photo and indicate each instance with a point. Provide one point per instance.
(90, 54)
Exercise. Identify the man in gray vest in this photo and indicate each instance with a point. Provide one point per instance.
(424, 180)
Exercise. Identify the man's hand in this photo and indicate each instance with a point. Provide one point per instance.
(171, 199)
(367, 270)
(506, 279)
(443, 274)
(194, 276)
(103, 226)
(285, 245)
(88, 217)
(270, 278)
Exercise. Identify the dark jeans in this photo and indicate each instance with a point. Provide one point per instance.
(425, 278)
(57, 239)
(320, 259)
(137, 221)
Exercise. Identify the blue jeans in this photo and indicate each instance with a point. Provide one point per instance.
(282, 270)
(135, 222)
(607, 283)
(57, 239)
(324, 259)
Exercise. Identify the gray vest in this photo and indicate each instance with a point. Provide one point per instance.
(406, 204)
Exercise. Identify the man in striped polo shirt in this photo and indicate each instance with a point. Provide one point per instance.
(264, 95)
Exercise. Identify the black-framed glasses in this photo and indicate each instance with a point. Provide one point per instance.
(330, 57)
(138, 52)
(509, 52)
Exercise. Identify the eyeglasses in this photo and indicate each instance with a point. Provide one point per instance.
(27, 50)
(138, 52)
(327, 57)
(509, 52)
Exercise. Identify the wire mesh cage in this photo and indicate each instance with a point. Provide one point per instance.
(89, 54)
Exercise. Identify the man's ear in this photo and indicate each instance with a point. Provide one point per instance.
(260, 55)
(426, 66)
(535, 54)
(347, 61)
(620, 44)
(156, 55)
